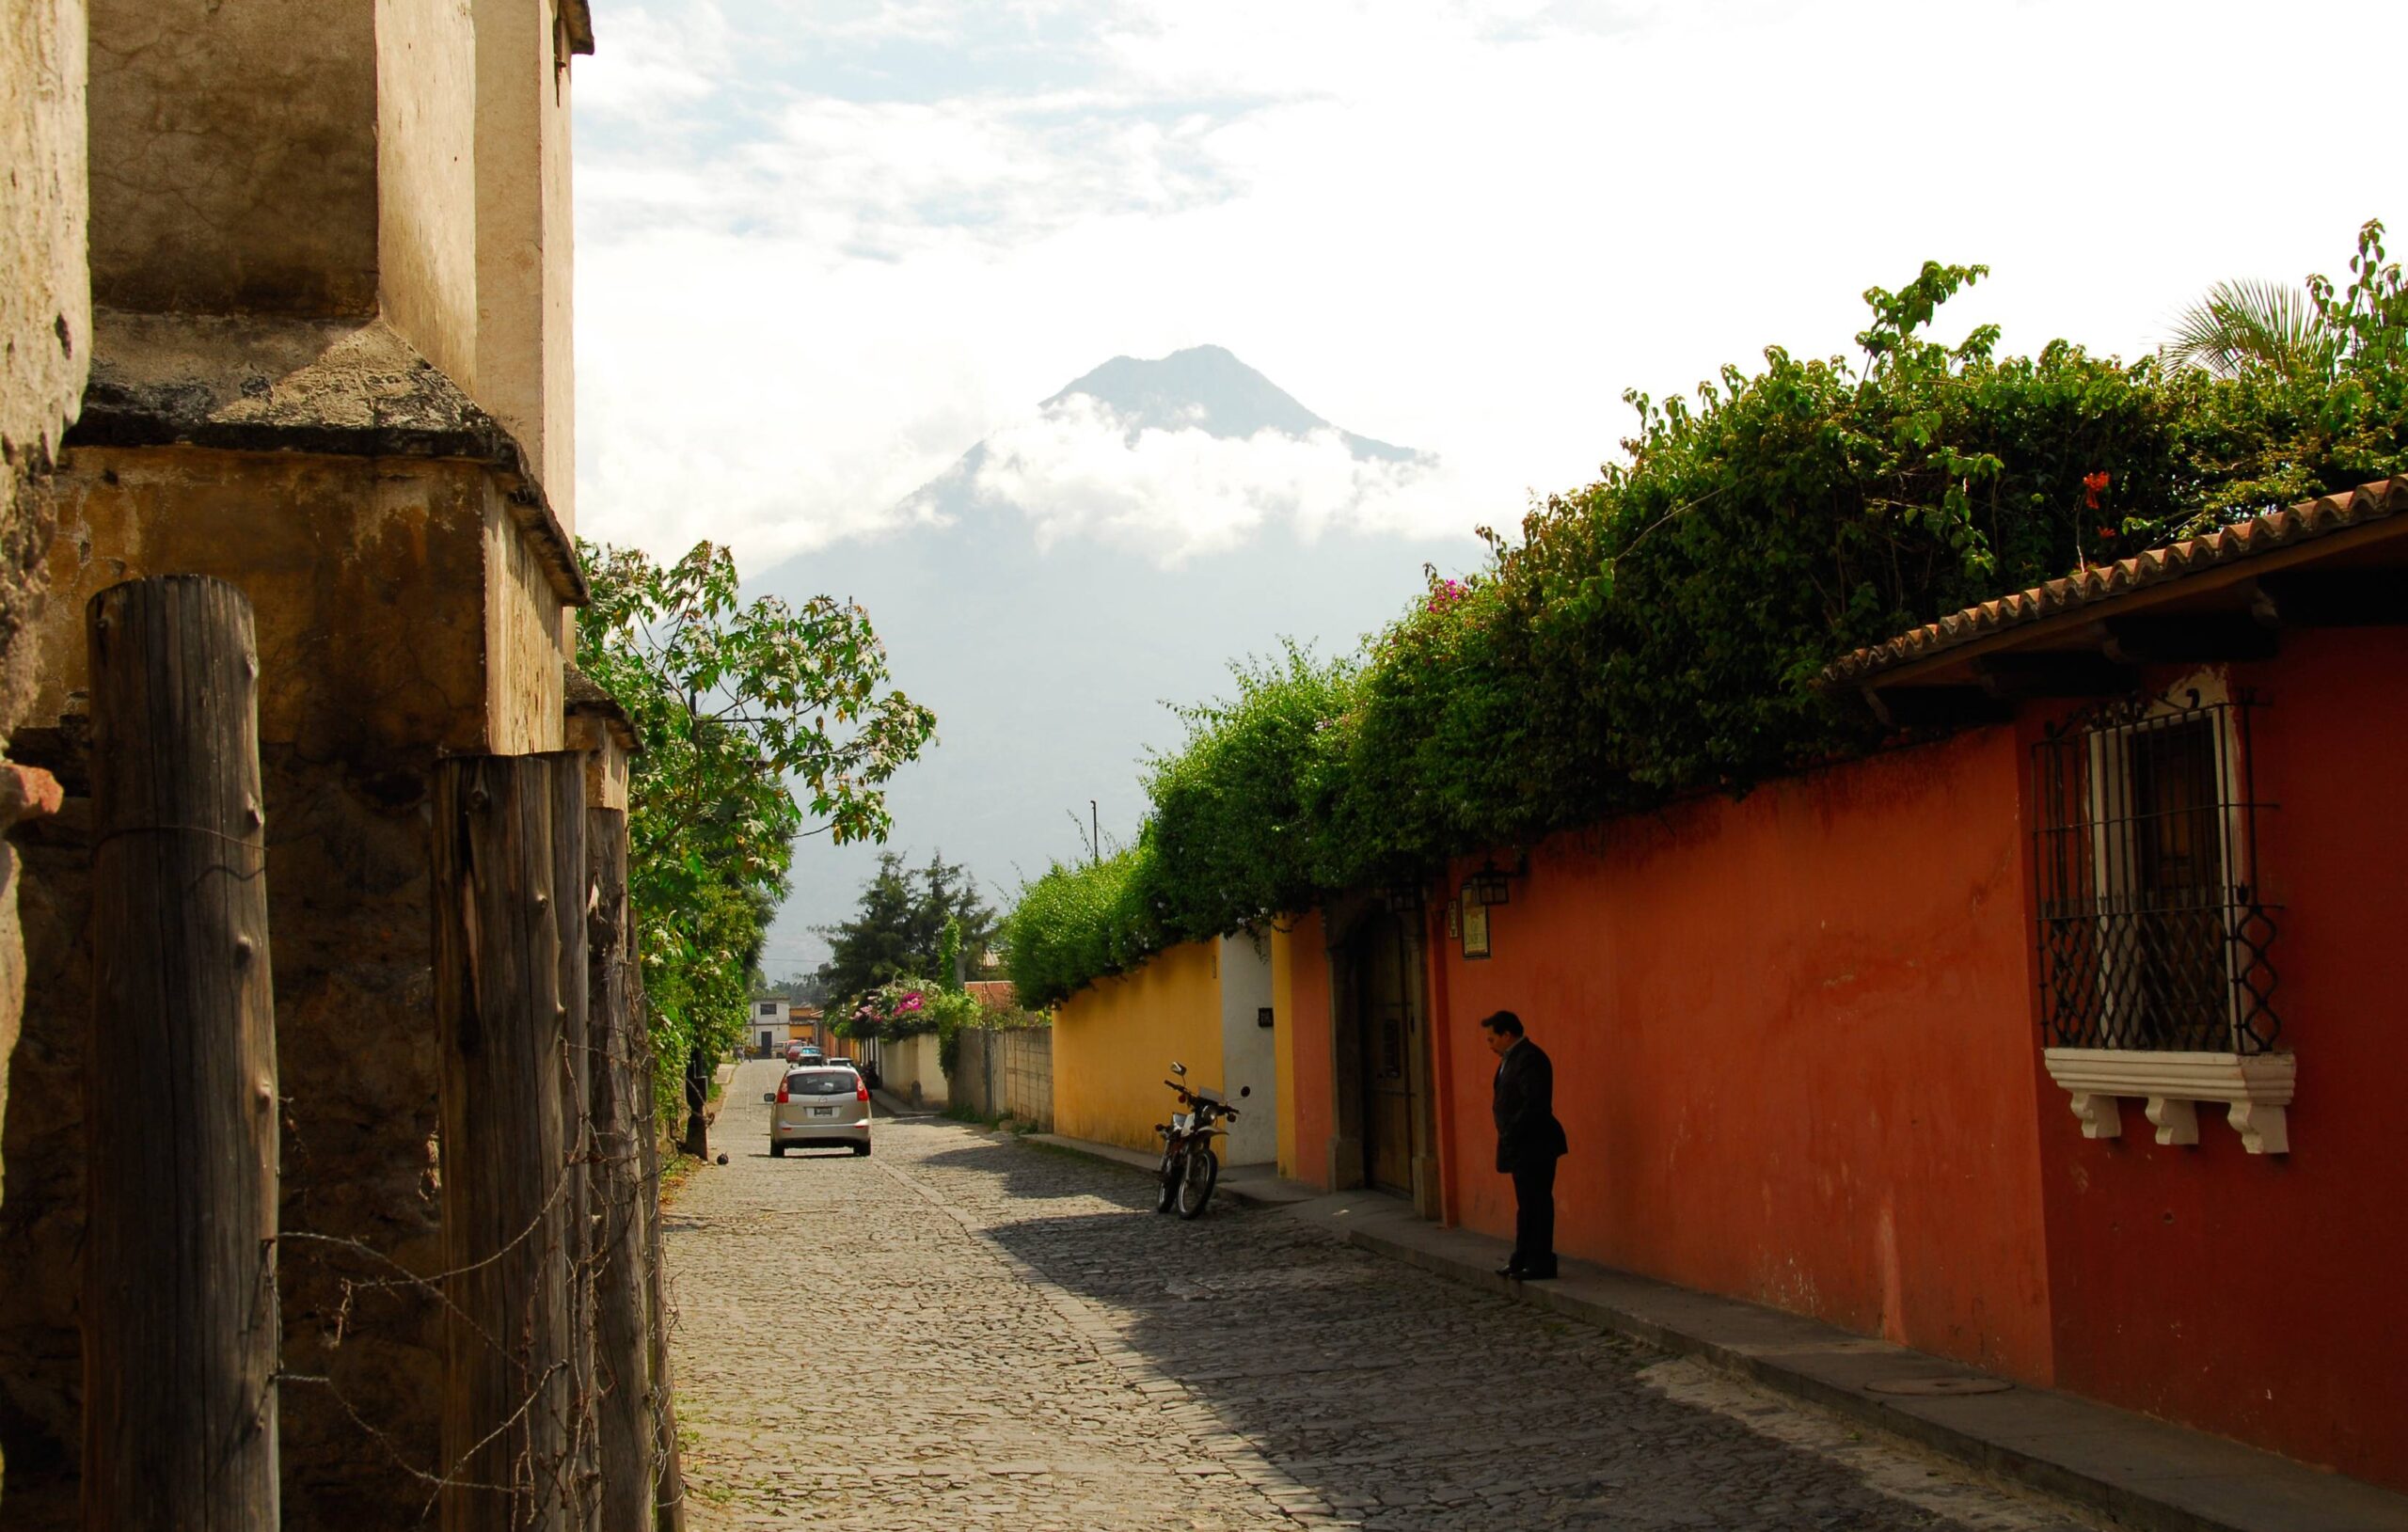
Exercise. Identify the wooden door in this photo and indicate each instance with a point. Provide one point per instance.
(1390, 1031)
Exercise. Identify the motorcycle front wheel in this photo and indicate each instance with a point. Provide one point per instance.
(1169, 1177)
(1202, 1173)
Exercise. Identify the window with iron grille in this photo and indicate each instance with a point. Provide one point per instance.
(2152, 934)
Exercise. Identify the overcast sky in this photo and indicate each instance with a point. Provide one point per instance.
(824, 247)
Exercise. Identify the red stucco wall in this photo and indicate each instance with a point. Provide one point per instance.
(1797, 1055)
(1794, 1049)
(2260, 1297)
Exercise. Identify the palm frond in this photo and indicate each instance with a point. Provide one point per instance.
(2245, 327)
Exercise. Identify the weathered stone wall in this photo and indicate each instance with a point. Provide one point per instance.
(45, 345)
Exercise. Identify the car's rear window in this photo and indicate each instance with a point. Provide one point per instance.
(821, 1082)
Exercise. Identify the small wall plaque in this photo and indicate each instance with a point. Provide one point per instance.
(1475, 930)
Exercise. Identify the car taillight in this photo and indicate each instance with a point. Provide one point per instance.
(781, 1096)
(861, 1094)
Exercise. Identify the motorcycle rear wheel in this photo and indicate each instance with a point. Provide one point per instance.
(1196, 1182)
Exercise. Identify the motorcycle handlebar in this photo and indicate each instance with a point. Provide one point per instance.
(1185, 1095)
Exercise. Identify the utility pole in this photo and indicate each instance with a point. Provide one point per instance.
(1095, 835)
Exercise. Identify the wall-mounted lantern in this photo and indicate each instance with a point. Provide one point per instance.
(1488, 886)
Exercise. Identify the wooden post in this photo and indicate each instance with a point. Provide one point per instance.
(623, 1363)
(670, 1495)
(697, 1095)
(498, 1019)
(179, 1307)
(572, 889)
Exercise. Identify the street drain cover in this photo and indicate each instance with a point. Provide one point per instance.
(1939, 1387)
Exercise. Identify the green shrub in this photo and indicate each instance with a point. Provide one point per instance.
(1077, 923)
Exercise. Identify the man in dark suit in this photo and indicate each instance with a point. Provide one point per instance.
(1528, 1143)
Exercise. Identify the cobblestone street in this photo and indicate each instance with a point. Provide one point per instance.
(959, 1331)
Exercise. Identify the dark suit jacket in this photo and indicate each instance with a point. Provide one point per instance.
(1527, 1130)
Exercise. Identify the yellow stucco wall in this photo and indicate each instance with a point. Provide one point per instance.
(1283, 1042)
(1115, 1040)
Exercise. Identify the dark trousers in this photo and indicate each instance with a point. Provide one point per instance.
(1535, 1215)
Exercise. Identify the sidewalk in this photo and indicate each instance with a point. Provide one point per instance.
(2143, 1472)
(1256, 1186)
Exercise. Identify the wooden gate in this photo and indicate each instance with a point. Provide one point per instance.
(1387, 1014)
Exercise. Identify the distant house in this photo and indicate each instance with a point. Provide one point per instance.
(766, 1030)
(804, 1024)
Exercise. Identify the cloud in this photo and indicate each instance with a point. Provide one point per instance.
(662, 61)
(823, 252)
(1080, 471)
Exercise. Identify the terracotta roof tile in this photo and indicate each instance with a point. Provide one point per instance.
(2258, 535)
(993, 994)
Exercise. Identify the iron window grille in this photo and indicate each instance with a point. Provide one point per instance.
(2152, 934)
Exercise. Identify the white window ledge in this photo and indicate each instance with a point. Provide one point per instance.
(2254, 1090)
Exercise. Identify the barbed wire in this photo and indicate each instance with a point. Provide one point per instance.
(599, 1203)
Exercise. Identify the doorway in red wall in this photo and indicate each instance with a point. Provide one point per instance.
(1389, 1033)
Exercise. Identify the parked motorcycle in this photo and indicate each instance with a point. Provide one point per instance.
(1190, 1168)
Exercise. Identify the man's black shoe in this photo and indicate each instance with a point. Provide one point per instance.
(1511, 1273)
(1547, 1275)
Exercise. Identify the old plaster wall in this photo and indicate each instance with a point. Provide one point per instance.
(426, 179)
(237, 151)
(605, 762)
(45, 345)
(524, 370)
(347, 894)
(363, 577)
(45, 305)
(398, 605)
(402, 613)
(523, 659)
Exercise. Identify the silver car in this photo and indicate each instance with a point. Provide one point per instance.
(818, 1104)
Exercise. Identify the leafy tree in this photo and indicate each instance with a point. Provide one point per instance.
(757, 723)
(898, 926)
